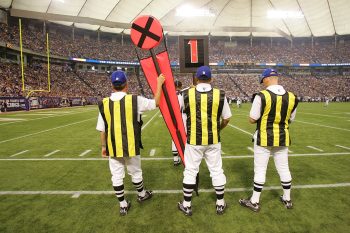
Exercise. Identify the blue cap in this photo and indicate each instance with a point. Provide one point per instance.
(267, 73)
(203, 73)
(118, 78)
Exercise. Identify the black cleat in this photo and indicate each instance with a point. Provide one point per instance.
(177, 163)
(186, 210)
(247, 203)
(147, 196)
(220, 209)
(124, 210)
(287, 204)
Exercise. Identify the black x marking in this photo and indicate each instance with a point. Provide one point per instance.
(145, 32)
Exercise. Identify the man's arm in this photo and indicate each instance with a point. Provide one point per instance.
(103, 145)
(224, 123)
(160, 81)
(255, 113)
(252, 121)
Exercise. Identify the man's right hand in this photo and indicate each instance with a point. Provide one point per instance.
(104, 152)
(161, 79)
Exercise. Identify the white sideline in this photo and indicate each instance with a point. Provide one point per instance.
(167, 158)
(51, 153)
(19, 153)
(77, 193)
(46, 130)
(143, 127)
(84, 153)
(315, 148)
(326, 126)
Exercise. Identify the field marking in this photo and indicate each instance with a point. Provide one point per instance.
(77, 193)
(167, 158)
(147, 123)
(11, 119)
(250, 148)
(242, 130)
(315, 148)
(57, 115)
(289, 151)
(19, 153)
(222, 152)
(344, 147)
(84, 153)
(316, 114)
(152, 152)
(326, 126)
(46, 130)
(51, 153)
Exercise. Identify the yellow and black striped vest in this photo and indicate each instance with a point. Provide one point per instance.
(122, 129)
(203, 110)
(273, 125)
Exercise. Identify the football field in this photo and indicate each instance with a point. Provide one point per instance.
(53, 179)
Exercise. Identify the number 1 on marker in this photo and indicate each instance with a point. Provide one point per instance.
(194, 51)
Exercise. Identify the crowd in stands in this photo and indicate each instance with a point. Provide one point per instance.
(62, 44)
(65, 82)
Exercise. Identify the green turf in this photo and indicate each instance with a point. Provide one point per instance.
(72, 131)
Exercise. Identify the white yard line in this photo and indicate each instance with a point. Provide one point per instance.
(19, 153)
(147, 123)
(77, 193)
(315, 148)
(75, 112)
(326, 126)
(250, 148)
(167, 158)
(152, 152)
(51, 153)
(242, 130)
(46, 130)
(344, 147)
(316, 114)
(85, 153)
(289, 151)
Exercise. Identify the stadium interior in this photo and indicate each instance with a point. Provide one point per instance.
(57, 56)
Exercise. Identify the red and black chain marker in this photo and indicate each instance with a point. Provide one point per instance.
(146, 32)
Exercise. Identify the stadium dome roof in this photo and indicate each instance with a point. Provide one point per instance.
(265, 18)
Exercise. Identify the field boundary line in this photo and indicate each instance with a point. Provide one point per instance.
(77, 193)
(46, 130)
(169, 158)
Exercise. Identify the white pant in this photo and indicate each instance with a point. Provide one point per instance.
(261, 159)
(117, 167)
(212, 155)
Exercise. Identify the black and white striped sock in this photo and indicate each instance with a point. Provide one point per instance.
(256, 192)
(119, 193)
(175, 156)
(187, 191)
(286, 185)
(220, 191)
(140, 189)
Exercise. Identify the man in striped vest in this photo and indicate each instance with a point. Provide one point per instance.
(273, 110)
(119, 123)
(204, 107)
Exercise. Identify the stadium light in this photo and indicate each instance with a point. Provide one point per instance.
(190, 11)
(279, 14)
